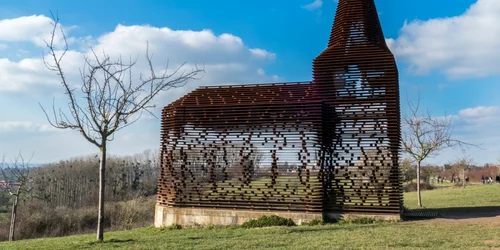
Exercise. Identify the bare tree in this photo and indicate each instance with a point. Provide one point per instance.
(407, 170)
(461, 165)
(424, 136)
(16, 175)
(112, 98)
(428, 173)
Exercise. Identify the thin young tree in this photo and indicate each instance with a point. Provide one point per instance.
(461, 165)
(407, 170)
(16, 175)
(425, 136)
(110, 98)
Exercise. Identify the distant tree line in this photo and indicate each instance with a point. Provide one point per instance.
(74, 183)
(474, 172)
(60, 198)
(202, 165)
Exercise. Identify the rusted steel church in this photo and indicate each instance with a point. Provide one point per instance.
(301, 150)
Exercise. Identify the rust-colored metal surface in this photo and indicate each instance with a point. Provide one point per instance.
(327, 145)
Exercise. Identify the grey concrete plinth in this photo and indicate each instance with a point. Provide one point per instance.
(166, 216)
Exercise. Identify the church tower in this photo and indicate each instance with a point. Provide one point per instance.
(357, 77)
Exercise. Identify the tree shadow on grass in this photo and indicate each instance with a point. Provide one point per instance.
(342, 226)
(453, 213)
(110, 241)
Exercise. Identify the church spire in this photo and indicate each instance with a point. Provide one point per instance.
(356, 21)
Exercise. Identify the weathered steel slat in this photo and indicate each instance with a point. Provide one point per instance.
(331, 144)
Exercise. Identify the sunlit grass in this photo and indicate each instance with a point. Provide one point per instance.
(403, 235)
(395, 235)
(473, 195)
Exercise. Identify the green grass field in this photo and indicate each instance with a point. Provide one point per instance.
(474, 195)
(430, 234)
(257, 189)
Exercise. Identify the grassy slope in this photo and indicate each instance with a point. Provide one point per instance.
(409, 235)
(403, 235)
(475, 195)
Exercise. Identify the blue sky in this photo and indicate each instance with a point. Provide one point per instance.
(447, 50)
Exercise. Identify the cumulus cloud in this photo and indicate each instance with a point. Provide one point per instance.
(481, 111)
(225, 57)
(460, 47)
(35, 29)
(179, 45)
(20, 76)
(477, 126)
(24, 126)
(314, 5)
(480, 120)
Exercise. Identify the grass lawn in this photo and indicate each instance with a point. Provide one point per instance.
(4, 215)
(286, 187)
(474, 195)
(407, 235)
(431, 234)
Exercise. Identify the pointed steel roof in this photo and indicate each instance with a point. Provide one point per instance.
(356, 21)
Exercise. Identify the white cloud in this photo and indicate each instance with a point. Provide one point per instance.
(24, 126)
(314, 5)
(179, 45)
(30, 74)
(481, 111)
(460, 46)
(25, 28)
(33, 29)
(477, 126)
(225, 58)
(263, 54)
(480, 121)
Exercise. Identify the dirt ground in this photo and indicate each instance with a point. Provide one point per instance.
(469, 215)
(492, 221)
(484, 216)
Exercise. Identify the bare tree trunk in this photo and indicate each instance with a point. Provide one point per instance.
(102, 171)
(419, 198)
(463, 178)
(13, 217)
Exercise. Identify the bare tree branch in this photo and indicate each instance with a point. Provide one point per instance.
(17, 177)
(110, 98)
(425, 136)
(461, 165)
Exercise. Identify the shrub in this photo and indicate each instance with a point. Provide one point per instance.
(412, 187)
(172, 227)
(218, 227)
(362, 220)
(269, 221)
(460, 184)
(36, 220)
(314, 222)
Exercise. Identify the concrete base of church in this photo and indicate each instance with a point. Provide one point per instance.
(167, 216)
